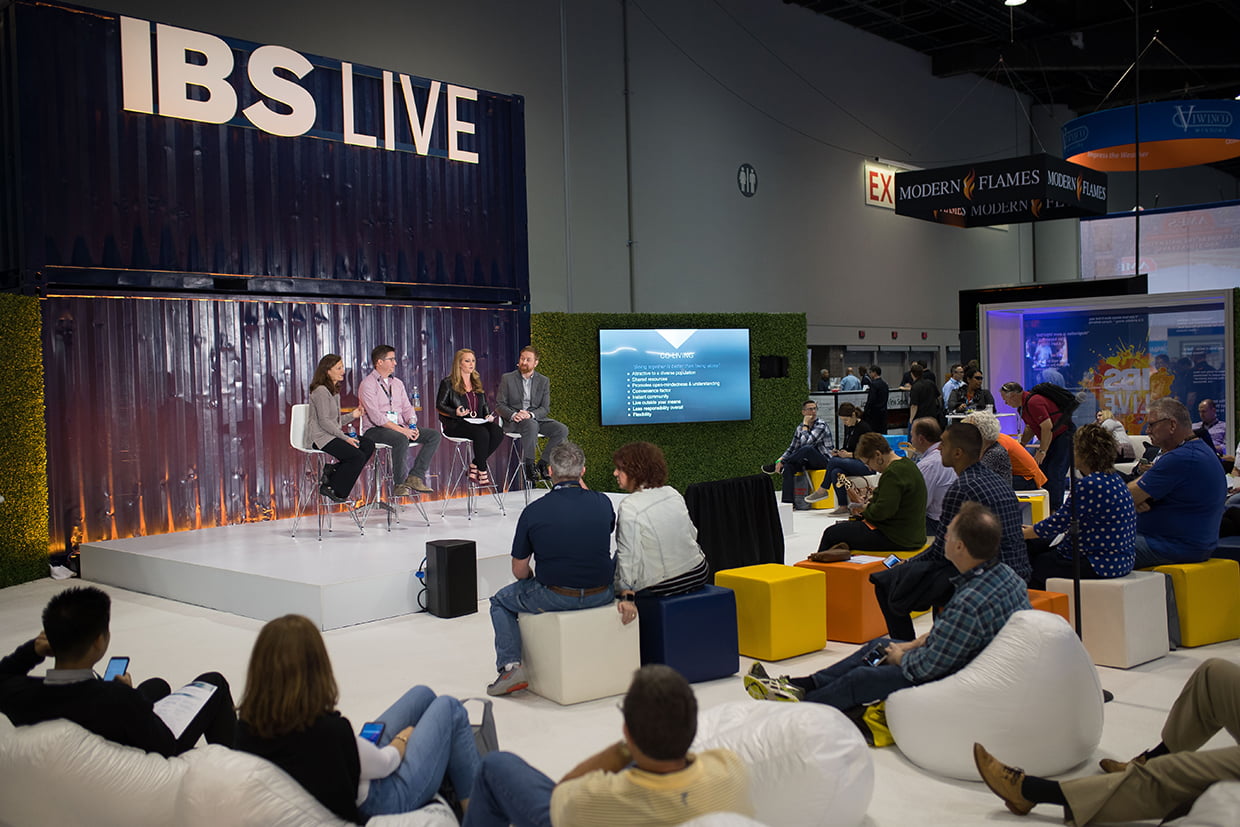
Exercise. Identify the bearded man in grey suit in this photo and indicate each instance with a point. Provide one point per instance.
(524, 400)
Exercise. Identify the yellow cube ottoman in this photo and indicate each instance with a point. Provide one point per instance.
(1205, 597)
(1038, 502)
(778, 609)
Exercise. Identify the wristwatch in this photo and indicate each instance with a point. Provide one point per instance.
(627, 598)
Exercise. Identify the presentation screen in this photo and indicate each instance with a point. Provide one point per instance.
(655, 376)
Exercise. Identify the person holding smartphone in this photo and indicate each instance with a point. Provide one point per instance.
(288, 715)
(987, 593)
(76, 633)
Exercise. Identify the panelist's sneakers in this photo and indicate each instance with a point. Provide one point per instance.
(820, 494)
(509, 681)
(763, 687)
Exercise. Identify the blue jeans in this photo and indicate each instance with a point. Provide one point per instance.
(853, 682)
(531, 597)
(802, 459)
(851, 468)
(509, 791)
(1055, 466)
(442, 744)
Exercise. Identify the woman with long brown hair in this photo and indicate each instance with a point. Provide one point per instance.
(656, 543)
(324, 431)
(288, 715)
(464, 413)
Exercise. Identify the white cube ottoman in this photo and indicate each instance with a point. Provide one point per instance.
(570, 657)
(1123, 619)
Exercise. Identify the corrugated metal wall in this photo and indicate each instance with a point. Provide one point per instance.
(170, 414)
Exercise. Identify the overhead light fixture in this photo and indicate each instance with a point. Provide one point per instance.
(1013, 2)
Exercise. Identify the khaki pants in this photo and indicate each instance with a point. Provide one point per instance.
(1210, 701)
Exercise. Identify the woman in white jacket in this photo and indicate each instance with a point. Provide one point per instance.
(657, 551)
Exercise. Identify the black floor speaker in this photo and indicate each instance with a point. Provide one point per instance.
(451, 577)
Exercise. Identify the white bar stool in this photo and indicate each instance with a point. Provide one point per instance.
(516, 468)
(384, 486)
(458, 476)
(316, 460)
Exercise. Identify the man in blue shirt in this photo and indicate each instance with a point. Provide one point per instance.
(955, 380)
(850, 382)
(810, 448)
(568, 532)
(1180, 499)
(987, 593)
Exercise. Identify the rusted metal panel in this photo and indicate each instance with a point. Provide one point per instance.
(167, 414)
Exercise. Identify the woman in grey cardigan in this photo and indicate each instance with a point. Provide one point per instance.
(323, 429)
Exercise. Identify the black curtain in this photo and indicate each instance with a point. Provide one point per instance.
(737, 521)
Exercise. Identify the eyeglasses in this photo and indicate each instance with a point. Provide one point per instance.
(1154, 422)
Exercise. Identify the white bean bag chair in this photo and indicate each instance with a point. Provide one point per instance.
(808, 764)
(1217, 807)
(1032, 696)
(57, 772)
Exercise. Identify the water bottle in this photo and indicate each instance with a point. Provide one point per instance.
(351, 429)
(417, 399)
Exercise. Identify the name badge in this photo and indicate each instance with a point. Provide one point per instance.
(393, 418)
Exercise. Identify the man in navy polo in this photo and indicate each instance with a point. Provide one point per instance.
(1180, 499)
(568, 533)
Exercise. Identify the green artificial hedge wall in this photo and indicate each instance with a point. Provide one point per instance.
(23, 443)
(568, 348)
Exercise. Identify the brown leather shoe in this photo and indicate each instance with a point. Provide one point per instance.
(1111, 765)
(418, 484)
(1004, 781)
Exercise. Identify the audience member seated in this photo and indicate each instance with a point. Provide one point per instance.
(842, 460)
(994, 456)
(76, 632)
(288, 716)
(1180, 498)
(649, 777)
(324, 431)
(461, 398)
(924, 441)
(925, 581)
(1027, 475)
(893, 516)
(568, 533)
(986, 593)
(1123, 444)
(1210, 425)
(810, 448)
(1105, 515)
(656, 543)
(970, 396)
(1160, 783)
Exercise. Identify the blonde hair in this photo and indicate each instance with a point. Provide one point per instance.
(1106, 413)
(289, 683)
(458, 381)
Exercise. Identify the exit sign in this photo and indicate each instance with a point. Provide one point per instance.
(880, 185)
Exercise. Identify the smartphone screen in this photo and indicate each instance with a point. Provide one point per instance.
(116, 666)
(372, 731)
(876, 656)
(892, 561)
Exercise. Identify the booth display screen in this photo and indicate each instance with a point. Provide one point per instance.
(659, 376)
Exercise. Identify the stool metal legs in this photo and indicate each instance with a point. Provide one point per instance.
(312, 472)
(458, 476)
(384, 488)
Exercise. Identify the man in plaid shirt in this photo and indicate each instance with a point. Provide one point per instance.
(926, 580)
(987, 593)
(810, 448)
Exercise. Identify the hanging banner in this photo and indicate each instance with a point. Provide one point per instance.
(1173, 134)
(1009, 191)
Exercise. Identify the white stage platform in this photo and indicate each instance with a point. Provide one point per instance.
(258, 570)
